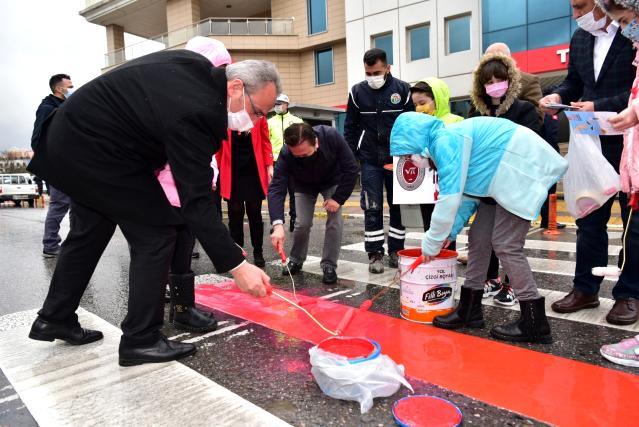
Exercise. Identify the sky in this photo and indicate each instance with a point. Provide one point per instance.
(40, 38)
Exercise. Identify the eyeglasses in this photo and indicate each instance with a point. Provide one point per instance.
(257, 112)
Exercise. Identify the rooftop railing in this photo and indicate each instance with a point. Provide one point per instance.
(206, 27)
(89, 3)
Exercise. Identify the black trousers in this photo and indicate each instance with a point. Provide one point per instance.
(184, 242)
(253, 209)
(151, 252)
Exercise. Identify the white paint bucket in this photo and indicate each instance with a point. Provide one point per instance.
(429, 290)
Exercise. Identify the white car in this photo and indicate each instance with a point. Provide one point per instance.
(18, 187)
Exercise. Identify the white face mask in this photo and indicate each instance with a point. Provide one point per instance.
(69, 92)
(419, 161)
(278, 109)
(375, 82)
(587, 22)
(241, 120)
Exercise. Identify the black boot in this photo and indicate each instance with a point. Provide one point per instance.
(532, 325)
(467, 313)
(182, 312)
(257, 240)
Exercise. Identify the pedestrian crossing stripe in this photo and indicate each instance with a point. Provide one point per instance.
(358, 272)
(61, 384)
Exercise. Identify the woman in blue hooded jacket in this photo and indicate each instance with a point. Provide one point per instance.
(481, 161)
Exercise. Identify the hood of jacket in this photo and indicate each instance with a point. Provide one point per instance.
(441, 93)
(414, 133)
(478, 93)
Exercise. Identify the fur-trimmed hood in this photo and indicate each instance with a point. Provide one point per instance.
(478, 93)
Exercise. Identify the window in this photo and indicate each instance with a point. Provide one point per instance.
(14, 179)
(543, 10)
(526, 24)
(419, 42)
(385, 43)
(316, 16)
(500, 14)
(324, 66)
(460, 108)
(549, 33)
(458, 34)
(515, 38)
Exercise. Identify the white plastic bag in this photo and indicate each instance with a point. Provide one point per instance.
(363, 381)
(590, 180)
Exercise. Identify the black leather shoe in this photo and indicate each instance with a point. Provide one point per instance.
(42, 330)
(330, 276)
(164, 350)
(468, 312)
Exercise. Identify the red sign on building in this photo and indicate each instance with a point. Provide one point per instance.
(553, 58)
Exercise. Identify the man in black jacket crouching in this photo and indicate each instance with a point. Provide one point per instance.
(317, 160)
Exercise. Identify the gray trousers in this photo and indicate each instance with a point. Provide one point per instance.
(59, 204)
(497, 229)
(305, 207)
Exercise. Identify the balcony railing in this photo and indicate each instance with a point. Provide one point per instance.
(206, 27)
(89, 3)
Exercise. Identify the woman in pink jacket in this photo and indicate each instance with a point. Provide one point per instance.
(182, 312)
(626, 12)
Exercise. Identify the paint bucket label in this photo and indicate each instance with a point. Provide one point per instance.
(429, 290)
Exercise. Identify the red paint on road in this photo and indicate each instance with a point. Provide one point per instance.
(540, 386)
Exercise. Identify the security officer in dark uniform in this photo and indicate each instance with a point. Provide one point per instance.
(373, 106)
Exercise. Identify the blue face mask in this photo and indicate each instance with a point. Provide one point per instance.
(632, 31)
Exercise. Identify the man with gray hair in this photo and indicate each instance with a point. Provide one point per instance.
(106, 143)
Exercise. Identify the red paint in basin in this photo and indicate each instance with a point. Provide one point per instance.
(426, 411)
(350, 347)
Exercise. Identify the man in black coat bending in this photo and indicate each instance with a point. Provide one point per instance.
(102, 148)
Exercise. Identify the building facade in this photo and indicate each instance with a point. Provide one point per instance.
(446, 38)
(304, 38)
(318, 45)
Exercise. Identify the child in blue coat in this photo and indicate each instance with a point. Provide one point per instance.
(501, 172)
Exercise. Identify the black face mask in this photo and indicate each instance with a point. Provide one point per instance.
(307, 161)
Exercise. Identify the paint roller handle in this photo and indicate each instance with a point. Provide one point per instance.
(269, 289)
(343, 324)
(420, 259)
(366, 305)
(280, 251)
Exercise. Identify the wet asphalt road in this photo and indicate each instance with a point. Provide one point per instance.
(266, 367)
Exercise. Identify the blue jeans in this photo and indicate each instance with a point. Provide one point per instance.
(59, 204)
(592, 251)
(373, 179)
